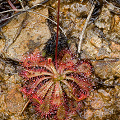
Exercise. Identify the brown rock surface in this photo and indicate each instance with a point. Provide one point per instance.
(14, 101)
(34, 34)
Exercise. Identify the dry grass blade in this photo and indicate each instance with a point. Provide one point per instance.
(11, 11)
(111, 4)
(24, 107)
(50, 20)
(84, 28)
(21, 2)
(28, 10)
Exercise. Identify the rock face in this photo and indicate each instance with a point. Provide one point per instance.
(25, 33)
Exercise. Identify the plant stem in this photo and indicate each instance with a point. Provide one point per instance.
(57, 33)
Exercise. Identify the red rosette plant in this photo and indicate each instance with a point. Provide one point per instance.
(53, 89)
(56, 87)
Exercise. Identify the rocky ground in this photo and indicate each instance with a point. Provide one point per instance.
(101, 45)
